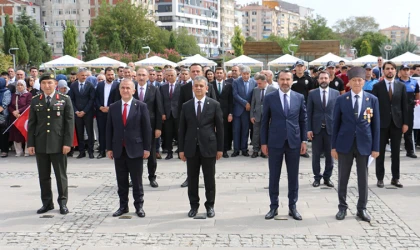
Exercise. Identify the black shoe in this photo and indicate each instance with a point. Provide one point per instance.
(363, 214)
(305, 155)
(169, 156)
(64, 209)
(91, 156)
(154, 184)
(185, 183)
(130, 184)
(245, 153)
(263, 155)
(81, 155)
(120, 211)
(101, 155)
(380, 184)
(254, 155)
(270, 215)
(70, 154)
(140, 212)
(411, 155)
(210, 212)
(192, 212)
(397, 183)
(295, 214)
(234, 154)
(225, 154)
(316, 183)
(341, 214)
(45, 209)
(328, 183)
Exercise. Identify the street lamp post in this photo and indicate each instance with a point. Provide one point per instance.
(13, 55)
(354, 50)
(148, 52)
(81, 54)
(291, 51)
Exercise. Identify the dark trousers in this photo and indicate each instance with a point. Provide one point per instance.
(59, 163)
(275, 161)
(101, 121)
(408, 136)
(81, 123)
(321, 143)
(4, 142)
(171, 132)
(241, 132)
(227, 139)
(395, 134)
(345, 162)
(157, 142)
(209, 171)
(151, 161)
(125, 166)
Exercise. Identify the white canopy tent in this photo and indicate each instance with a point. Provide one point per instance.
(244, 60)
(323, 60)
(365, 59)
(155, 61)
(197, 59)
(284, 60)
(103, 62)
(64, 62)
(407, 57)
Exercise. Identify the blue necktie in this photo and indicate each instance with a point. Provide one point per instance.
(246, 88)
(286, 105)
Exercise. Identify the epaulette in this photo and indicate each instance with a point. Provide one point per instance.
(35, 96)
(63, 94)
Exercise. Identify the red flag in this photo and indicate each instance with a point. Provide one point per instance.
(75, 143)
(21, 123)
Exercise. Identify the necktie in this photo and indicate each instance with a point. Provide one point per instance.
(141, 95)
(171, 91)
(390, 92)
(220, 88)
(198, 110)
(324, 100)
(262, 96)
(286, 105)
(124, 114)
(48, 100)
(246, 88)
(81, 88)
(356, 107)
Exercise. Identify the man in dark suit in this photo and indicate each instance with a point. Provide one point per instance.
(150, 95)
(128, 142)
(392, 98)
(225, 98)
(201, 144)
(82, 94)
(356, 132)
(50, 136)
(321, 102)
(283, 132)
(104, 96)
(242, 95)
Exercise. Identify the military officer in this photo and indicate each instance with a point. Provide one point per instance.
(50, 136)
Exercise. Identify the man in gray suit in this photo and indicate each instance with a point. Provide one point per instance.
(320, 108)
(258, 95)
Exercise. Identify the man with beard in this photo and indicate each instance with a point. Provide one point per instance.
(320, 106)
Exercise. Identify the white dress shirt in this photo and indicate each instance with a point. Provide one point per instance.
(387, 85)
(353, 99)
(128, 106)
(275, 85)
(107, 90)
(321, 91)
(173, 88)
(281, 93)
(196, 104)
(37, 85)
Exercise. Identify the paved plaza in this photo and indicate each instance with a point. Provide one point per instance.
(241, 204)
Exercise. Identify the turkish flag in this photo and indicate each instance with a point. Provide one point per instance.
(22, 123)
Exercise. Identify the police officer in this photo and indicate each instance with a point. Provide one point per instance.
(50, 136)
(369, 81)
(335, 82)
(412, 88)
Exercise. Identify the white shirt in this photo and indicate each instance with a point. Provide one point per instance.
(144, 90)
(52, 96)
(196, 104)
(173, 88)
(387, 85)
(353, 99)
(128, 106)
(107, 90)
(321, 91)
(281, 93)
(275, 85)
(37, 85)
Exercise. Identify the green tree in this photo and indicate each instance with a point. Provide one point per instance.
(22, 55)
(47, 52)
(315, 29)
(90, 47)
(70, 44)
(250, 39)
(353, 27)
(375, 40)
(172, 41)
(238, 41)
(115, 45)
(365, 49)
(9, 35)
(5, 61)
(33, 46)
(186, 44)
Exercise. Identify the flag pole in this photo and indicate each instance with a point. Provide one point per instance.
(7, 129)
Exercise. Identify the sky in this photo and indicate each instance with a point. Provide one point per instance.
(385, 12)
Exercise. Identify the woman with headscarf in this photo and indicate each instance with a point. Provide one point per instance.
(20, 102)
(30, 81)
(62, 87)
(5, 98)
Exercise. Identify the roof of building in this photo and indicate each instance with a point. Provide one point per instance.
(21, 2)
(254, 7)
(289, 6)
(395, 27)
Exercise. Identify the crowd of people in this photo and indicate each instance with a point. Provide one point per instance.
(245, 110)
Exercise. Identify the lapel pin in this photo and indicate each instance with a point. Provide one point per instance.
(367, 99)
(347, 98)
(208, 103)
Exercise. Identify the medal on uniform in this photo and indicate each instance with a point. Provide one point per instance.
(58, 113)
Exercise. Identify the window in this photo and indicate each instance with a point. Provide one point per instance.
(58, 1)
(59, 45)
(19, 9)
(33, 10)
(43, 13)
(254, 13)
(75, 11)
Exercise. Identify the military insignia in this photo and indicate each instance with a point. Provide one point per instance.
(40, 96)
(58, 113)
(35, 96)
(336, 83)
(57, 96)
(52, 76)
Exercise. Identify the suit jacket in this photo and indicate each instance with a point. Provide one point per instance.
(240, 98)
(256, 105)
(153, 100)
(136, 134)
(99, 96)
(395, 110)
(346, 126)
(317, 113)
(186, 94)
(170, 105)
(206, 132)
(82, 101)
(276, 128)
(225, 98)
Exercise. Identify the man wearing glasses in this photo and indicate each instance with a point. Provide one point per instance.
(379, 67)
